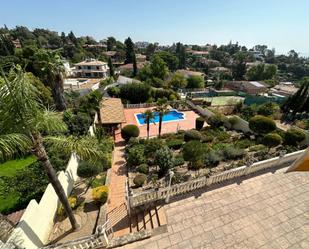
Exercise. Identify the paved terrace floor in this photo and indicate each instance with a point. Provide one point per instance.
(167, 127)
(267, 212)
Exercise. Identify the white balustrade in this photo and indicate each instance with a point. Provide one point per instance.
(181, 188)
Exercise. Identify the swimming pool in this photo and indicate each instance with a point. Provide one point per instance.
(172, 115)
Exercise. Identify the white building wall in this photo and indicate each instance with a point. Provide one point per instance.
(37, 222)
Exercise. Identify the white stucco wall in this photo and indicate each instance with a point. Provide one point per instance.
(37, 222)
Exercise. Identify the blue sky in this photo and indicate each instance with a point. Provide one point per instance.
(282, 24)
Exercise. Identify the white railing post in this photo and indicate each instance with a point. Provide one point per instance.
(171, 174)
(281, 155)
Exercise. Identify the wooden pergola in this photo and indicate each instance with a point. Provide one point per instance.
(111, 114)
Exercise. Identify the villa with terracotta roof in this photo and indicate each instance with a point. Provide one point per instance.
(91, 68)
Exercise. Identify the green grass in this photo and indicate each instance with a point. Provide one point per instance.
(9, 199)
(224, 100)
(10, 168)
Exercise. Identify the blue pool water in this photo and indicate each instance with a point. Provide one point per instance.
(172, 115)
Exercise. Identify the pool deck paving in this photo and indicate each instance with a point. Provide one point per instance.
(167, 127)
(268, 211)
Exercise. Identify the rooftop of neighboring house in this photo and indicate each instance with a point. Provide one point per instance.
(94, 46)
(129, 66)
(247, 84)
(193, 52)
(140, 56)
(220, 69)
(189, 73)
(110, 53)
(285, 88)
(111, 111)
(122, 80)
(91, 62)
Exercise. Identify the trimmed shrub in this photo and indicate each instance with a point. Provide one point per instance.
(294, 136)
(87, 169)
(164, 159)
(152, 145)
(258, 147)
(244, 143)
(129, 131)
(272, 140)
(194, 151)
(174, 144)
(233, 121)
(230, 153)
(136, 155)
(262, 124)
(100, 194)
(268, 109)
(193, 135)
(195, 165)
(212, 158)
(178, 161)
(217, 120)
(143, 168)
(199, 123)
(73, 204)
(139, 180)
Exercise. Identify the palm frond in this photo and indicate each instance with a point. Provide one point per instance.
(50, 121)
(85, 147)
(14, 144)
(22, 102)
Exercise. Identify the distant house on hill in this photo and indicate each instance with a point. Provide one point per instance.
(284, 89)
(140, 57)
(122, 80)
(128, 68)
(91, 68)
(188, 73)
(249, 87)
(220, 69)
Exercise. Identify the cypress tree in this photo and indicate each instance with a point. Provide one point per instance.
(111, 67)
(129, 50)
(134, 65)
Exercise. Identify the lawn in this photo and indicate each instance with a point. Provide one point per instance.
(224, 100)
(10, 168)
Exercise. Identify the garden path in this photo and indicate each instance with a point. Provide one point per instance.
(117, 212)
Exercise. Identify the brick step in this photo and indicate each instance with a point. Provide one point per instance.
(148, 219)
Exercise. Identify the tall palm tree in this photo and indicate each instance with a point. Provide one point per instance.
(24, 120)
(161, 109)
(52, 72)
(148, 116)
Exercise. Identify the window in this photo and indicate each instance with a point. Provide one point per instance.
(88, 67)
(98, 68)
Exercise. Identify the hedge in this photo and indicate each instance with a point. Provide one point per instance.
(87, 169)
(193, 135)
(175, 144)
(272, 140)
(139, 180)
(129, 131)
(143, 169)
(199, 123)
(294, 136)
(261, 124)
